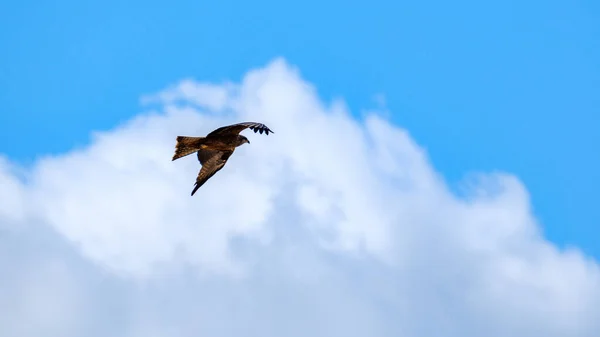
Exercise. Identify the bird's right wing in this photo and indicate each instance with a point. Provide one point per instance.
(210, 166)
(235, 129)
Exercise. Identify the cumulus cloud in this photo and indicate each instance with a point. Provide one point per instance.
(332, 226)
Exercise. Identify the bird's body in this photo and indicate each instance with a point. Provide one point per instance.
(215, 149)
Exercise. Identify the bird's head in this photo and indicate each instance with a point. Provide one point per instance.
(242, 140)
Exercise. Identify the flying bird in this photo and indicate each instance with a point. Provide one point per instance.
(215, 149)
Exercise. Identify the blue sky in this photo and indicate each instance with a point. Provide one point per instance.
(483, 86)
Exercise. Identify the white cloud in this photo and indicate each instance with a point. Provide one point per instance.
(12, 206)
(210, 96)
(328, 227)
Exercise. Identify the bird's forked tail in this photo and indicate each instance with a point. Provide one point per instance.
(186, 145)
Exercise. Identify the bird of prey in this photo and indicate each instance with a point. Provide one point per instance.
(215, 149)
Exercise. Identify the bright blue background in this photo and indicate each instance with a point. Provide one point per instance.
(483, 85)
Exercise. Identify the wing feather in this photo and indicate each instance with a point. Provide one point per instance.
(205, 154)
(210, 166)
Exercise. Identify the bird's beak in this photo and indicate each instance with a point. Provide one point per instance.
(247, 141)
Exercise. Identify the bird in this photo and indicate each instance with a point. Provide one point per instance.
(215, 148)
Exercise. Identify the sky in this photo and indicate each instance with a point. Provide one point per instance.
(430, 161)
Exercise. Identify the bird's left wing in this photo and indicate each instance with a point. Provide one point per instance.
(205, 154)
(235, 129)
(211, 166)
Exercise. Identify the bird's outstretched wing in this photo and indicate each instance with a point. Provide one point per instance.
(212, 161)
(205, 154)
(235, 129)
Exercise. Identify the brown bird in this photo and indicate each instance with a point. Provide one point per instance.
(214, 149)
